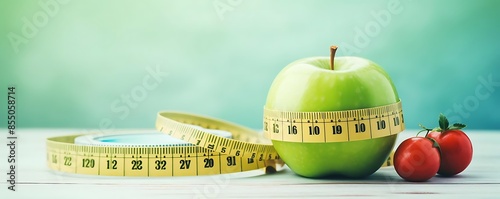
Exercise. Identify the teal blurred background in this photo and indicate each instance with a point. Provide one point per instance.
(115, 64)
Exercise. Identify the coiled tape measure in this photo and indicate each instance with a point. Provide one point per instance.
(201, 151)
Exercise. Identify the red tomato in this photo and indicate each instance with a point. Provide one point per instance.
(456, 151)
(417, 159)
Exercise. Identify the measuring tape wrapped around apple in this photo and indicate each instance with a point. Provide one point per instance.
(324, 116)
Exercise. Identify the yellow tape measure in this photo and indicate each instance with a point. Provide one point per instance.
(211, 154)
(334, 126)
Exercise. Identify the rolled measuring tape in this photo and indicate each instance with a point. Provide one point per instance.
(193, 145)
(204, 146)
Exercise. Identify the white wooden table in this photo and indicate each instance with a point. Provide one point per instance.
(480, 180)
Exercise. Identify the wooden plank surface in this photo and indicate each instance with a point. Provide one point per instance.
(35, 180)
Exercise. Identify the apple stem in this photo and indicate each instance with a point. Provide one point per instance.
(333, 49)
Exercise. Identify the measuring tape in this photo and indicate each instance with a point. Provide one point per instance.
(206, 153)
(334, 126)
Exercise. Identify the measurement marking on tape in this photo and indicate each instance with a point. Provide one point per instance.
(334, 126)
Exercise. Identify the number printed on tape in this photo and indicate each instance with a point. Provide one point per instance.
(334, 126)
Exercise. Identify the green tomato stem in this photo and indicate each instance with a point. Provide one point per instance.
(333, 49)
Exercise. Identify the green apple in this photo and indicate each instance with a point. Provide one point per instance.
(328, 84)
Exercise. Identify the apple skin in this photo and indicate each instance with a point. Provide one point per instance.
(309, 85)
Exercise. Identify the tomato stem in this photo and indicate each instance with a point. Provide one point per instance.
(424, 129)
(444, 125)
